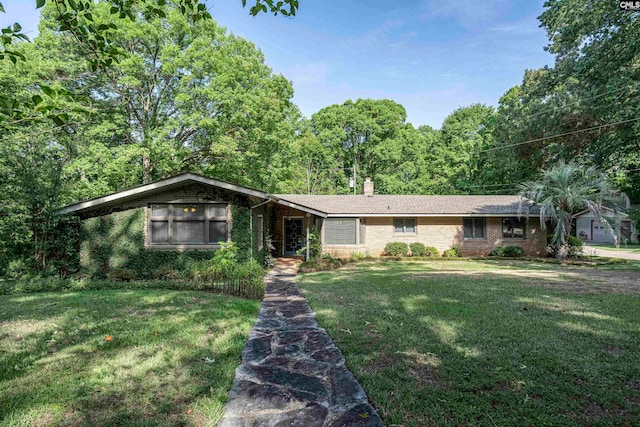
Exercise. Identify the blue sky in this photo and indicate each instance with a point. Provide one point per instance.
(432, 56)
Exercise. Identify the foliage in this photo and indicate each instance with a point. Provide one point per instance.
(450, 253)
(396, 249)
(326, 262)
(315, 246)
(575, 247)
(432, 252)
(117, 241)
(565, 189)
(130, 343)
(509, 251)
(358, 256)
(417, 249)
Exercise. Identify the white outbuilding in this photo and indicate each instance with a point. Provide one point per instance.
(591, 230)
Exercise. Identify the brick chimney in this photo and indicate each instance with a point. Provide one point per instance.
(367, 187)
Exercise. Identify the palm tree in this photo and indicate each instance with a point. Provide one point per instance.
(566, 189)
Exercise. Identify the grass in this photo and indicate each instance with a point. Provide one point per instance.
(113, 357)
(485, 342)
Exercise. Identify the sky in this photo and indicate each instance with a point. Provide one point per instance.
(431, 56)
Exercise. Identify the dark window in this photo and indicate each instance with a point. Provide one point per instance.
(513, 228)
(340, 231)
(188, 224)
(159, 231)
(474, 228)
(362, 231)
(217, 232)
(404, 225)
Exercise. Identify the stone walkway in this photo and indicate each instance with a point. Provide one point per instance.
(292, 374)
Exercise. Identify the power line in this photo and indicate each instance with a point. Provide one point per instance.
(562, 134)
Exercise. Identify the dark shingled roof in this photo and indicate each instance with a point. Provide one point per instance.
(384, 205)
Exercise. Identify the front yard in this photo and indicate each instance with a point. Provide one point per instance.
(145, 357)
(487, 342)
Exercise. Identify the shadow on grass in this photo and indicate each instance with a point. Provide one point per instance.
(454, 348)
(113, 357)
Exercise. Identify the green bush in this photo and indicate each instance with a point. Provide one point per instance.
(122, 274)
(357, 256)
(575, 247)
(418, 249)
(432, 252)
(574, 250)
(315, 246)
(497, 251)
(450, 253)
(511, 251)
(396, 249)
(326, 262)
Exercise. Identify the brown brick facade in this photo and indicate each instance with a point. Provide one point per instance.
(443, 233)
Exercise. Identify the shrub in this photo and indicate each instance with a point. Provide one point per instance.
(122, 274)
(165, 273)
(574, 250)
(396, 249)
(418, 249)
(497, 251)
(575, 247)
(357, 256)
(432, 252)
(315, 246)
(513, 251)
(450, 253)
(326, 262)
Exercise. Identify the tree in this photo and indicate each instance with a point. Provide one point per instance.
(187, 96)
(94, 39)
(567, 188)
(353, 130)
(465, 134)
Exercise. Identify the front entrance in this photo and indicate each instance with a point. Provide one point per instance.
(293, 235)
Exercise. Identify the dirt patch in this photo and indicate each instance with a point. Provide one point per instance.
(424, 368)
(379, 363)
(570, 279)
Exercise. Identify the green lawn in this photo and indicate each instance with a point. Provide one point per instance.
(487, 342)
(152, 357)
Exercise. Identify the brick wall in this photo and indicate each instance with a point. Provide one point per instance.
(443, 233)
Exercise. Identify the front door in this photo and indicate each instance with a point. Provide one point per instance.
(293, 235)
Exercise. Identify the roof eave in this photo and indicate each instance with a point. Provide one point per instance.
(167, 183)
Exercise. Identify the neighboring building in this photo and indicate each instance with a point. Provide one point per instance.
(589, 229)
(191, 211)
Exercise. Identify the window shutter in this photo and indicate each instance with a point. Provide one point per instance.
(340, 231)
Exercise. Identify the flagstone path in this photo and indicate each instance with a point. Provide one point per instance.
(292, 374)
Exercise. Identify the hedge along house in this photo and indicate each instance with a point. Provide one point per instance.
(192, 212)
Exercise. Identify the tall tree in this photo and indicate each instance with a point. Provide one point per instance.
(353, 130)
(185, 96)
(465, 134)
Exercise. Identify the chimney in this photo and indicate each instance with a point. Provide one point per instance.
(367, 187)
